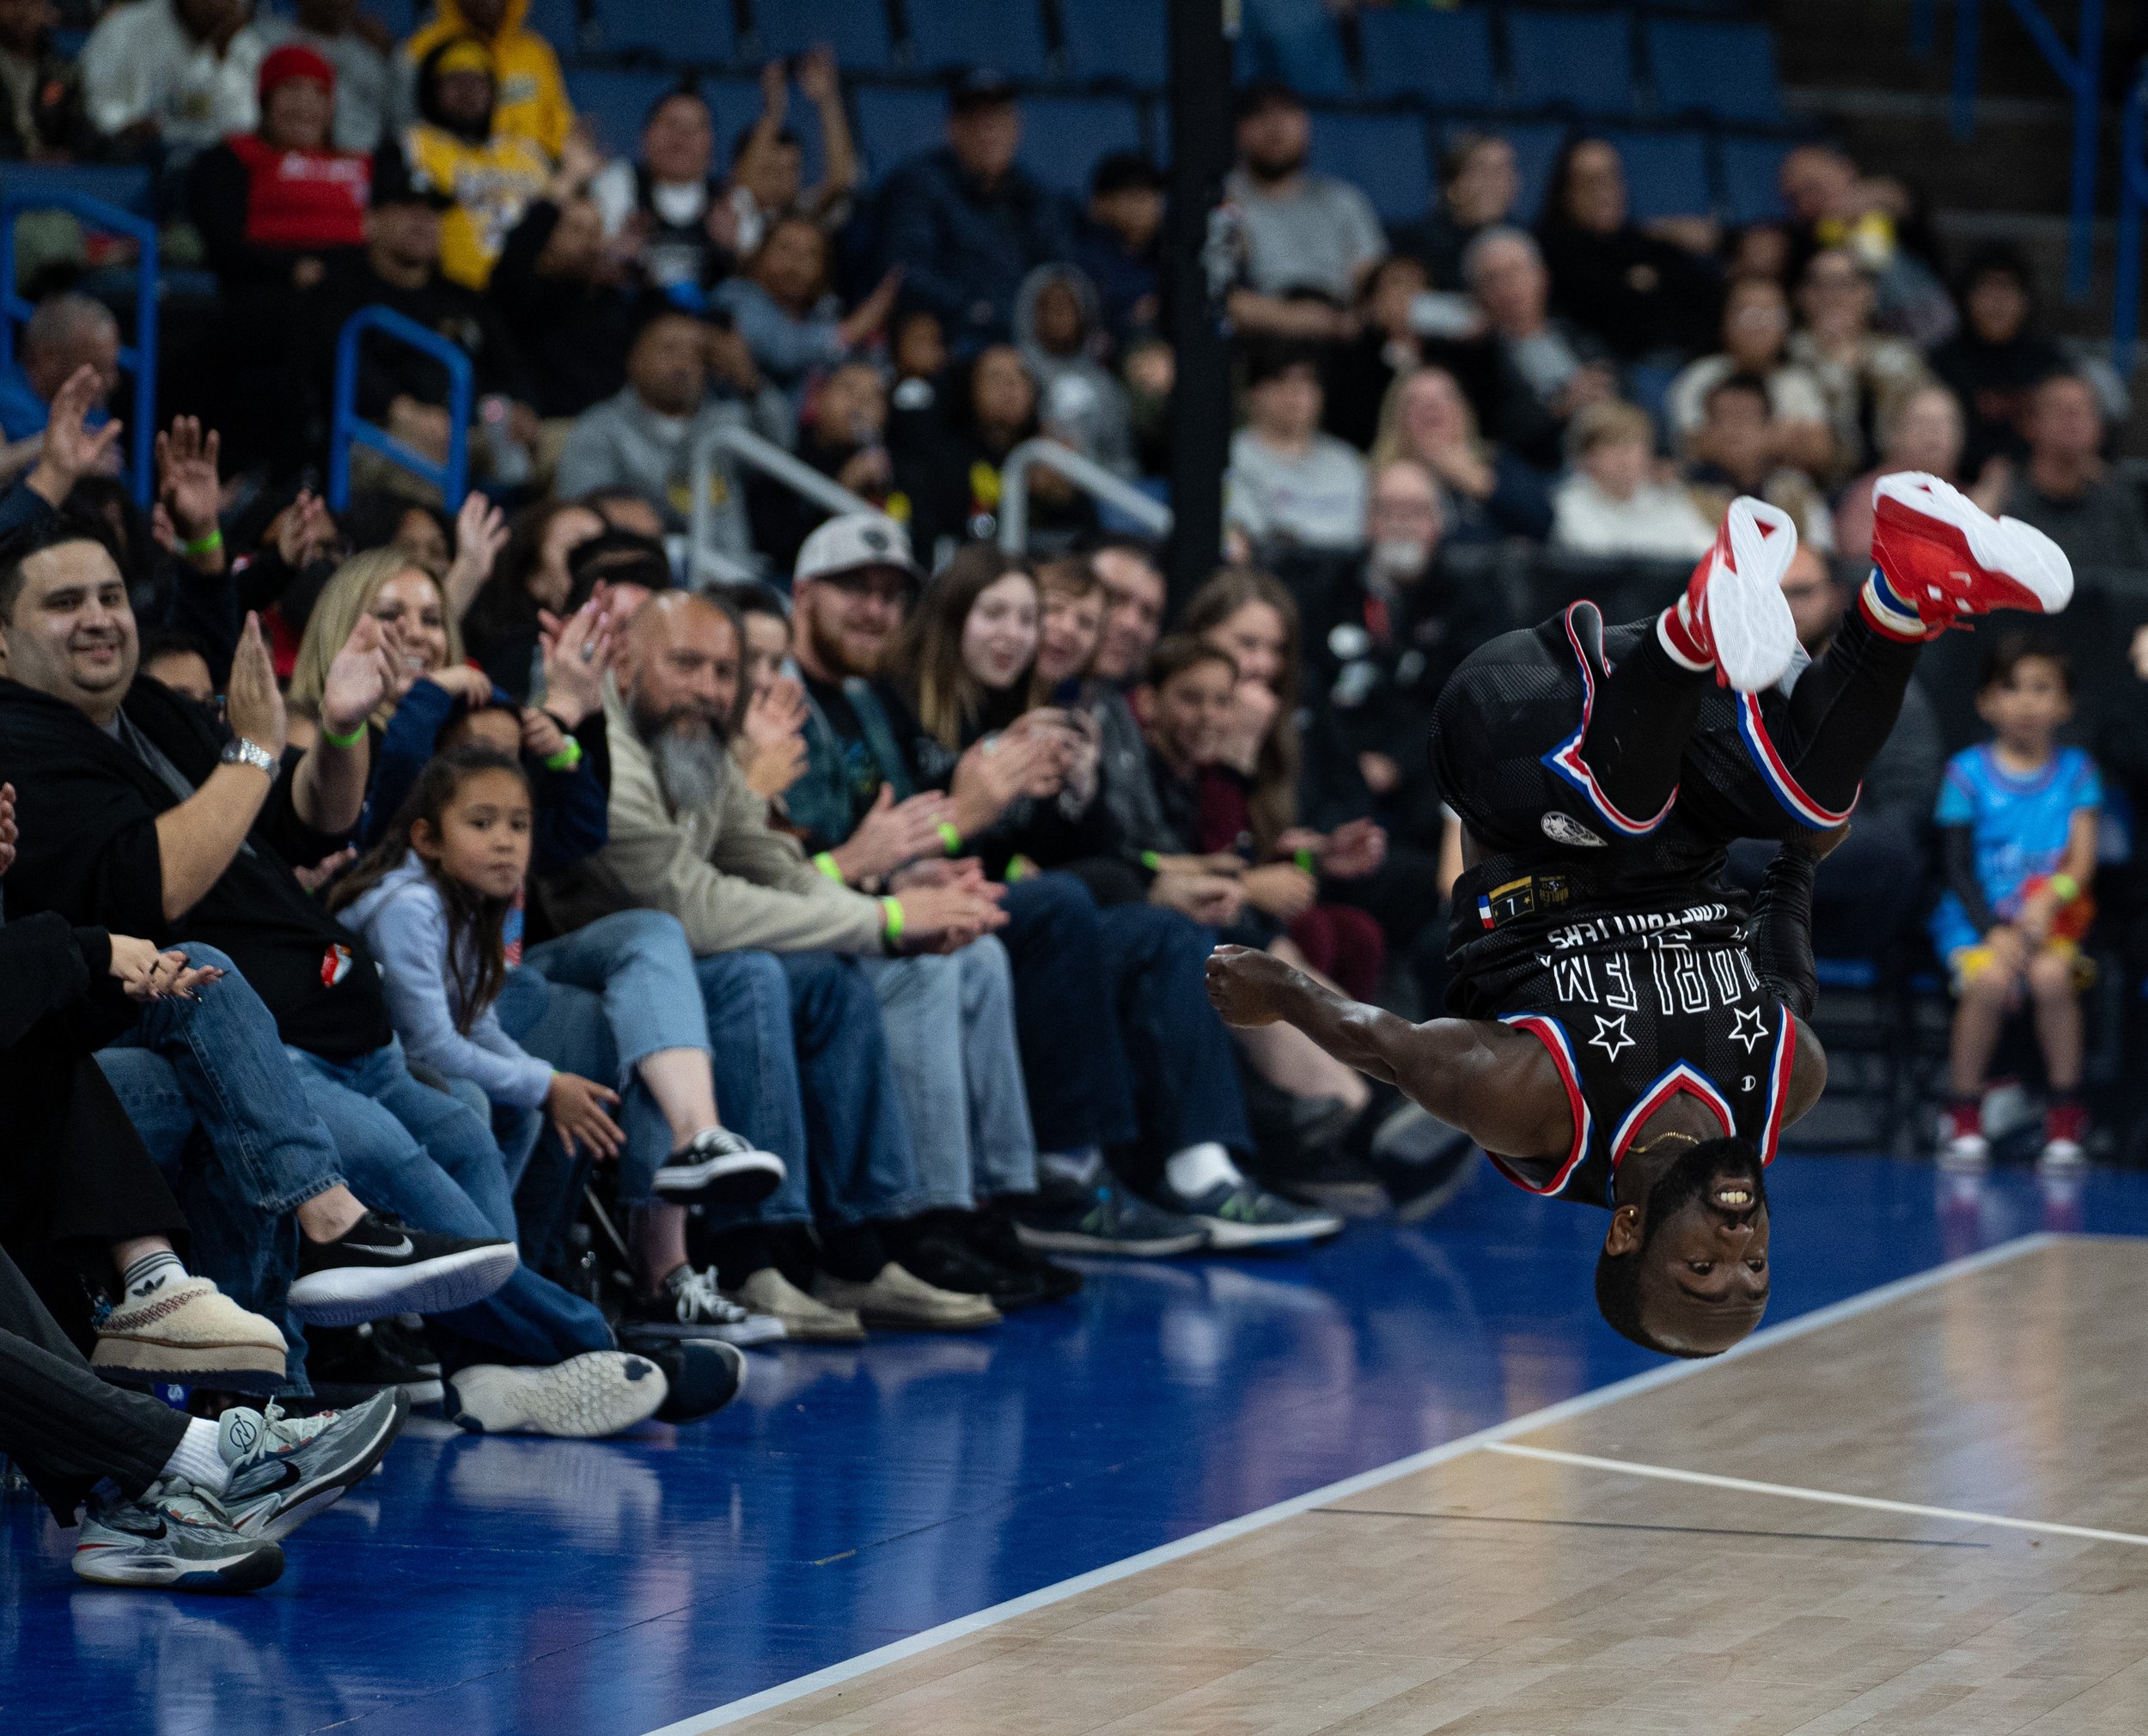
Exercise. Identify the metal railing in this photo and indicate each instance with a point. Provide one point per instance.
(1086, 474)
(750, 450)
(2080, 68)
(2133, 196)
(348, 428)
(138, 358)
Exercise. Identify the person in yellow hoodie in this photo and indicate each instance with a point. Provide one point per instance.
(492, 177)
(532, 99)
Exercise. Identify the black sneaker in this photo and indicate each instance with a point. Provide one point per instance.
(1325, 1175)
(380, 1266)
(691, 1307)
(703, 1377)
(719, 1168)
(991, 1232)
(349, 1365)
(1107, 1219)
(1421, 1161)
(942, 1258)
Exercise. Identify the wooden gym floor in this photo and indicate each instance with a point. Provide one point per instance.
(1545, 1579)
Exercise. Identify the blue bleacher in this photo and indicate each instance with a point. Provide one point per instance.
(1666, 174)
(699, 32)
(1382, 154)
(893, 124)
(1062, 137)
(1750, 193)
(617, 102)
(1309, 59)
(559, 22)
(1577, 61)
(1445, 57)
(1119, 41)
(856, 29)
(1006, 35)
(1535, 149)
(1723, 71)
(129, 185)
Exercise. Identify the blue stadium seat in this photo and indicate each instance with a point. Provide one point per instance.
(128, 186)
(1445, 57)
(856, 29)
(559, 22)
(1577, 61)
(1535, 149)
(1725, 71)
(1750, 193)
(1299, 47)
(735, 104)
(1666, 174)
(681, 31)
(1382, 154)
(1062, 137)
(617, 102)
(1117, 41)
(1006, 35)
(894, 125)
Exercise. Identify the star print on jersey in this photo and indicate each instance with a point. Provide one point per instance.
(1611, 1037)
(1752, 1039)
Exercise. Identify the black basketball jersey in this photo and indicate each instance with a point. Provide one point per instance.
(1635, 1000)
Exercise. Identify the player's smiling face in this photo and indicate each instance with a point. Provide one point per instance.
(1702, 1241)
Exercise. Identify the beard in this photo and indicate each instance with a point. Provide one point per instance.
(1270, 169)
(831, 650)
(685, 748)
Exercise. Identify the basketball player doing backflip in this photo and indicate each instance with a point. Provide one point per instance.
(1631, 1035)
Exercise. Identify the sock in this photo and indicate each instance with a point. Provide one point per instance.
(1888, 611)
(1071, 1169)
(196, 1460)
(150, 1274)
(1192, 1172)
(1676, 635)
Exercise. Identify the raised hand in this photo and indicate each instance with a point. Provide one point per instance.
(480, 534)
(814, 71)
(361, 677)
(71, 449)
(186, 480)
(773, 735)
(302, 529)
(577, 651)
(253, 704)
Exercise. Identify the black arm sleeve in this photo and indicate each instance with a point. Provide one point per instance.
(1957, 864)
(1779, 936)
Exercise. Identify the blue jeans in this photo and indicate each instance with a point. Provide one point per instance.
(420, 1154)
(803, 1070)
(1183, 1064)
(1073, 1054)
(950, 1025)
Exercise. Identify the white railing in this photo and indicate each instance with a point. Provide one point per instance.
(1086, 474)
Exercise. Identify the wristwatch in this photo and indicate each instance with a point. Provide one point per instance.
(240, 751)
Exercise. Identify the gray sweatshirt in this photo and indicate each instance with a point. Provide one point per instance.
(405, 924)
(623, 443)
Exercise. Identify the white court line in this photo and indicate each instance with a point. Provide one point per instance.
(850, 1668)
(1823, 1497)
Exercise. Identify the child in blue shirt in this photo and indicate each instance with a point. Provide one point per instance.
(2018, 829)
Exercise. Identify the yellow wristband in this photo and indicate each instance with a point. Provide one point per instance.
(951, 838)
(335, 740)
(2066, 887)
(892, 909)
(827, 864)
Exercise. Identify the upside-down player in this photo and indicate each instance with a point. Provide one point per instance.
(1630, 1035)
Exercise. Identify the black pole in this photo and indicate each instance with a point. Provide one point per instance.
(1201, 150)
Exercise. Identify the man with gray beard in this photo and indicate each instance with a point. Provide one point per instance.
(801, 1056)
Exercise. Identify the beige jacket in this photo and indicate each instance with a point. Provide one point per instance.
(733, 882)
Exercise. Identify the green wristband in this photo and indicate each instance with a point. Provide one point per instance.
(1306, 860)
(892, 933)
(567, 758)
(1152, 861)
(951, 838)
(333, 739)
(827, 864)
(203, 545)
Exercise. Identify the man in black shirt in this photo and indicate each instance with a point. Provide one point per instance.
(136, 815)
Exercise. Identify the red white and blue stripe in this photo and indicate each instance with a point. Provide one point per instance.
(1776, 775)
(1553, 1035)
(1778, 1071)
(1566, 759)
(1681, 1076)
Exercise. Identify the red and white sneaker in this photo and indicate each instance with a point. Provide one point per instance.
(1733, 618)
(1941, 556)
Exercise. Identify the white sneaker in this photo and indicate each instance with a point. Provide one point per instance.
(2060, 1156)
(585, 1398)
(1944, 555)
(1965, 1151)
(191, 1333)
(1734, 607)
(900, 1299)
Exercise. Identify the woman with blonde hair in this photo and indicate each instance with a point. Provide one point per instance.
(1489, 493)
(409, 602)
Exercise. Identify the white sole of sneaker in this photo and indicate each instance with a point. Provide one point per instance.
(2019, 554)
(345, 1295)
(1748, 617)
(1224, 1236)
(585, 1398)
(242, 1570)
(744, 1178)
(762, 1329)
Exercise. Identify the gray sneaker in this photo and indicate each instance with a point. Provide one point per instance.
(1106, 1219)
(286, 1469)
(173, 1540)
(1238, 1215)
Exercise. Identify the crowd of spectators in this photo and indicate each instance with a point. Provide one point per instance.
(839, 926)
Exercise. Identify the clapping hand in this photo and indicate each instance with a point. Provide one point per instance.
(892, 833)
(773, 735)
(72, 450)
(253, 704)
(187, 485)
(577, 651)
(480, 533)
(302, 529)
(361, 676)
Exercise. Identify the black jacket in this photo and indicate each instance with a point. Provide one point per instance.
(387, 369)
(573, 335)
(88, 808)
